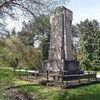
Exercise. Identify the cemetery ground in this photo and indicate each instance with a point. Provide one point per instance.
(12, 88)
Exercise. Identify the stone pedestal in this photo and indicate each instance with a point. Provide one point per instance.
(72, 67)
(60, 52)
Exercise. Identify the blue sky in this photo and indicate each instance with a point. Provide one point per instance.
(83, 9)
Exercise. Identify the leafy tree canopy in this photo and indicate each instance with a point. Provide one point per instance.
(89, 44)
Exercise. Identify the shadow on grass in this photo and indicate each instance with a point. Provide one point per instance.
(82, 85)
(14, 87)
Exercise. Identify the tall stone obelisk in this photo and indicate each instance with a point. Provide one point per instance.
(61, 43)
(60, 52)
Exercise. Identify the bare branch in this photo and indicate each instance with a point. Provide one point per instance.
(6, 3)
(24, 8)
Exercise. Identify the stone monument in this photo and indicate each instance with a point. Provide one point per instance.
(60, 52)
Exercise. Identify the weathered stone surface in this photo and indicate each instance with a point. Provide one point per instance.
(61, 43)
(53, 65)
(60, 52)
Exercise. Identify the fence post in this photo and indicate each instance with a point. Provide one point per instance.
(88, 76)
(47, 76)
(36, 75)
(27, 73)
(79, 78)
(96, 75)
(19, 72)
(67, 78)
(62, 77)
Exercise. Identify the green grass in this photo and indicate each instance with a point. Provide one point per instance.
(54, 93)
(7, 78)
(98, 72)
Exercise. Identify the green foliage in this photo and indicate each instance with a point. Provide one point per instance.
(21, 45)
(44, 46)
(28, 56)
(40, 26)
(37, 30)
(89, 44)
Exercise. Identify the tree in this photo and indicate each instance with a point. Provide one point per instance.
(76, 41)
(29, 8)
(37, 30)
(89, 44)
(11, 8)
(13, 48)
(44, 46)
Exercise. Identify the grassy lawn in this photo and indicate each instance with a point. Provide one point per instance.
(98, 72)
(7, 79)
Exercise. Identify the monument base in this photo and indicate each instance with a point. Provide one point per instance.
(72, 67)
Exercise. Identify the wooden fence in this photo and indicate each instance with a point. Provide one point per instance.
(64, 77)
